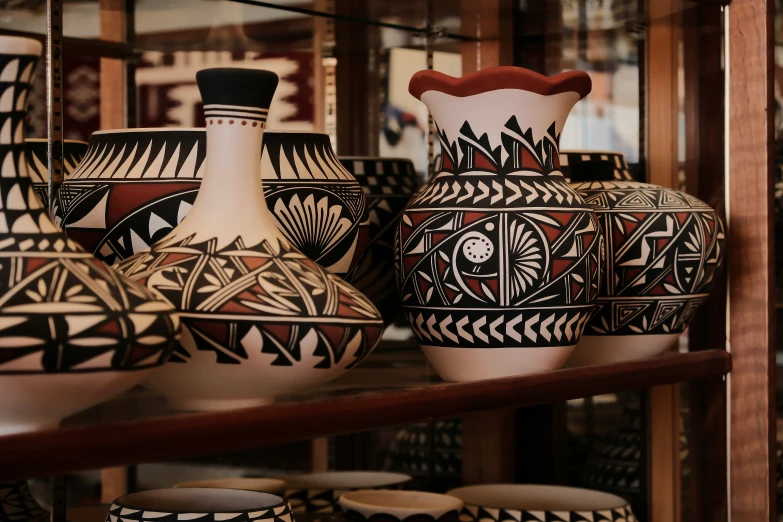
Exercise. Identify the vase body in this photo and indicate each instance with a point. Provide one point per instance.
(388, 185)
(663, 249)
(72, 332)
(498, 258)
(320, 492)
(260, 318)
(135, 185)
(38, 162)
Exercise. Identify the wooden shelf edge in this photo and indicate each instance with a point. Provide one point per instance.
(188, 435)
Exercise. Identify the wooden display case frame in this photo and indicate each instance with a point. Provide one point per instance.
(730, 368)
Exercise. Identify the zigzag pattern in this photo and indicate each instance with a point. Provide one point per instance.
(496, 192)
(500, 328)
(279, 513)
(480, 514)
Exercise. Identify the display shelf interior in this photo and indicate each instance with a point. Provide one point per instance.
(390, 388)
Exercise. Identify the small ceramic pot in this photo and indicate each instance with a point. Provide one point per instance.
(502, 502)
(399, 506)
(663, 249)
(202, 504)
(388, 183)
(319, 492)
(264, 485)
(135, 185)
(38, 161)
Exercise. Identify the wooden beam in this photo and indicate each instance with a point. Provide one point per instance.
(750, 259)
(663, 407)
(113, 75)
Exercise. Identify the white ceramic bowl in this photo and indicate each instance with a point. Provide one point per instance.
(363, 505)
(263, 485)
(319, 492)
(535, 502)
(205, 504)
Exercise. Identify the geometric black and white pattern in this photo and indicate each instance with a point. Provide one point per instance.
(60, 309)
(388, 185)
(663, 250)
(413, 453)
(278, 513)
(18, 505)
(37, 162)
(134, 186)
(480, 514)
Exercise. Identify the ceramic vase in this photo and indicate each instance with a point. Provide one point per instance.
(399, 506)
(500, 502)
(203, 504)
(38, 162)
(663, 250)
(135, 185)
(388, 183)
(260, 318)
(72, 331)
(438, 461)
(320, 492)
(17, 503)
(497, 260)
(574, 159)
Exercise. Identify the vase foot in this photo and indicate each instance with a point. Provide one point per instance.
(218, 404)
(607, 349)
(477, 364)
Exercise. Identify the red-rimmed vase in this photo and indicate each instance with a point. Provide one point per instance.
(498, 259)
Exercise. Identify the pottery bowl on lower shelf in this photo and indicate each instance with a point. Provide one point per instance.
(202, 504)
(264, 485)
(386, 505)
(320, 492)
(499, 502)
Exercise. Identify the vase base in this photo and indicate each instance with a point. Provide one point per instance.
(218, 404)
(607, 349)
(478, 364)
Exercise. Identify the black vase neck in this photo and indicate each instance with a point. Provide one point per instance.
(234, 88)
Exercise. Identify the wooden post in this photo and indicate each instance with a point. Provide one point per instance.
(113, 75)
(491, 22)
(488, 443)
(663, 405)
(113, 105)
(750, 260)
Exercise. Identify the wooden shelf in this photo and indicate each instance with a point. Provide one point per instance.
(389, 389)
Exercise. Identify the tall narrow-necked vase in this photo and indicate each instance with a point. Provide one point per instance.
(664, 248)
(498, 259)
(72, 331)
(261, 319)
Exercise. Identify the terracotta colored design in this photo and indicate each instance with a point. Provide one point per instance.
(388, 185)
(664, 249)
(72, 332)
(135, 186)
(18, 505)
